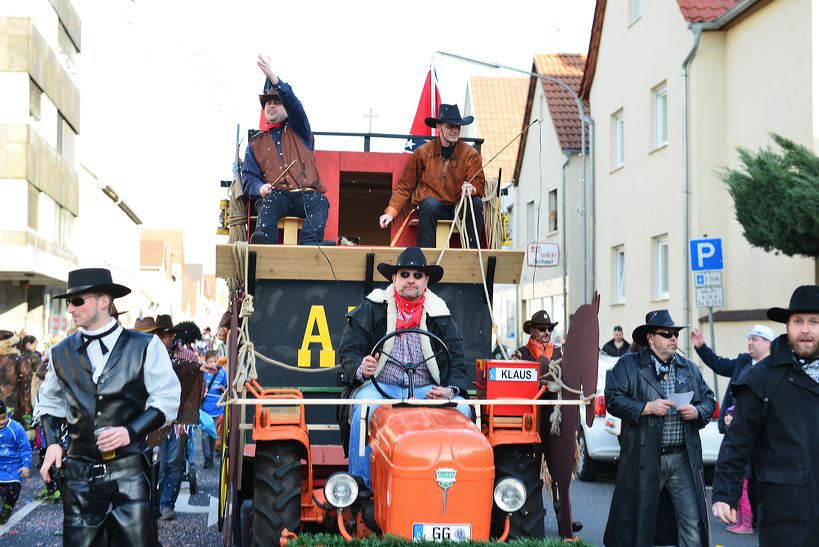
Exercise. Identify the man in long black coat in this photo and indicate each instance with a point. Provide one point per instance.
(776, 423)
(661, 453)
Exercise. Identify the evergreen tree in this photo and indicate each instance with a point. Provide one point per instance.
(776, 196)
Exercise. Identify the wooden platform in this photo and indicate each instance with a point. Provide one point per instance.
(350, 263)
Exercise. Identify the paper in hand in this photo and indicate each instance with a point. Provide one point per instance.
(680, 399)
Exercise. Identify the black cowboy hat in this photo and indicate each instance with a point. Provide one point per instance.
(412, 258)
(449, 113)
(93, 280)
(539, 319)
(164, 324)
(657, 319)
(804, 299)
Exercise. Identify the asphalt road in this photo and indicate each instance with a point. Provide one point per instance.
(35, 523)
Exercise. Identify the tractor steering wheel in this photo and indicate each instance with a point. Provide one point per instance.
(445, 371)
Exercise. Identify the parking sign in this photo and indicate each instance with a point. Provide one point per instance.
(706, 254)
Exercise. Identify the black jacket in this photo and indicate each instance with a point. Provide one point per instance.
(734, 368)
(118, 399)
(609, 348)
(367, 324)
(776, 423)
(635, 506)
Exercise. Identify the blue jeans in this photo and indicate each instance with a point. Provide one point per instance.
(677, 477)
(313, 207)
(359, 464)
(430, 211)
(171, 467)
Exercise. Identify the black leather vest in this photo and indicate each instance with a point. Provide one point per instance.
(116, 400)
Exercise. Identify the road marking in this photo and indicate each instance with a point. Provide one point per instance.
(183, 506)
(18, 516)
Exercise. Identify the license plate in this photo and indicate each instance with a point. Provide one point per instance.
(442, 532)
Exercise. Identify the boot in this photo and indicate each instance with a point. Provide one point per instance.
(744, 515)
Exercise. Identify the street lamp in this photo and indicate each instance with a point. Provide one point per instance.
(584, 119)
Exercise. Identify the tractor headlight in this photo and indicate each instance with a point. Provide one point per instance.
(340, 490)
(510, 495)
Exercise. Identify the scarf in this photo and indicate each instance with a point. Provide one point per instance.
(659, 367)
(88, 338)
(409, 313)
(539, 349)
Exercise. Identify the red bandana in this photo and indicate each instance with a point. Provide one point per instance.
(409, 313)
(539, 348)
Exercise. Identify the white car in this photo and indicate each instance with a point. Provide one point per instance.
(600, 444)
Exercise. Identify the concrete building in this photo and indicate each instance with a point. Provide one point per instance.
(39, 127)
(547, 213)
(676, 87)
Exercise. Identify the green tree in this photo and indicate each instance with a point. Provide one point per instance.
(776, 196)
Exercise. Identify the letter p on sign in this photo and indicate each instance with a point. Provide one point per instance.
(706, 254)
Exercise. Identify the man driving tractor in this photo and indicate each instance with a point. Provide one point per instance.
(406, 303)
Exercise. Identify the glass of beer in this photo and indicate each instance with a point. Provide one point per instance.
(106, 454)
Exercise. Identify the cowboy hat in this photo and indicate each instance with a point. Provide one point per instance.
(87, 280)
(412, 258)
(656, 319)
(268, 93)
(145, 324)
(164, 324)
(804, 299)
(449, 113)
(539, 319)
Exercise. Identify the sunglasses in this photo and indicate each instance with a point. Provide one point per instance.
(273, 99)
(78, 301)
(416, 275)
(544, 329)
(666, 334)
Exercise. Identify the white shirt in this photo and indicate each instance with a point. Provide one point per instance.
(161, 383)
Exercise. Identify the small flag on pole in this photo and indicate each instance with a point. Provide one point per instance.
(427, 107)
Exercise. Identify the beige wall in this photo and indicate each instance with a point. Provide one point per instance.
(746, 81)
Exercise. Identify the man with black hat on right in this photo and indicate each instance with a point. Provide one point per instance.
(663, 402)
(436, 176)
(776, 424)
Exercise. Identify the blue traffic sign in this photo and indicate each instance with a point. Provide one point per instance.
(706, 254)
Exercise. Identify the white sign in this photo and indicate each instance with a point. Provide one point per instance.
(709, 297)
(499, 374)
(542, 254)
(708, 279)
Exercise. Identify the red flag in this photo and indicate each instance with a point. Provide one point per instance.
(427, 107)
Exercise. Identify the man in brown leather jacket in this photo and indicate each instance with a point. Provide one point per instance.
(436, 176)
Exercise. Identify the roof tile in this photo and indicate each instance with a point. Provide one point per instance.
(704, 11)
(567, 67)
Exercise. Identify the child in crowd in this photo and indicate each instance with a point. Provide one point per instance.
(15, 461)
(745, 515)
(216, 383)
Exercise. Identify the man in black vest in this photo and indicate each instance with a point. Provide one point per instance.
(279, 171)
(112, 387)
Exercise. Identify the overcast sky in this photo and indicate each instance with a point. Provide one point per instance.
(164, 83)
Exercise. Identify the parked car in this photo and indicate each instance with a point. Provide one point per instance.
(600, 444)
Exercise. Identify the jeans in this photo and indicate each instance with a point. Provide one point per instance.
(359, 464)
(677, 477)
(313, 207)
(171, 467)
(430, 211)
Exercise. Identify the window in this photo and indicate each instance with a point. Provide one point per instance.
(617, 140)
(660, 268)
(530, 220)
(553, 210)
(635, 10)
(619, 258)
(660, 116)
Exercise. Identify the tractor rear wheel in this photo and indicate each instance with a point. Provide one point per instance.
(276, 491)
(523, 463)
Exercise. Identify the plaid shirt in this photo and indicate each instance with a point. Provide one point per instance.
(406, 349)
(673, 434)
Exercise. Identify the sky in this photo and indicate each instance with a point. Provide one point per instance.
(165, 83)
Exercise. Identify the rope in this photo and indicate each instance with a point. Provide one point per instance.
(556, 372)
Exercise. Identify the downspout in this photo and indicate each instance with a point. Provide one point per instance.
(590, 121)
(565, 257)
(696, 28)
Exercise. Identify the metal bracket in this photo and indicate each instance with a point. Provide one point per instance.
(490, 277)
(251, 273)
(368, 274)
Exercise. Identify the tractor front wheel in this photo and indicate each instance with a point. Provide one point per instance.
(276, 491)
(523, 463)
